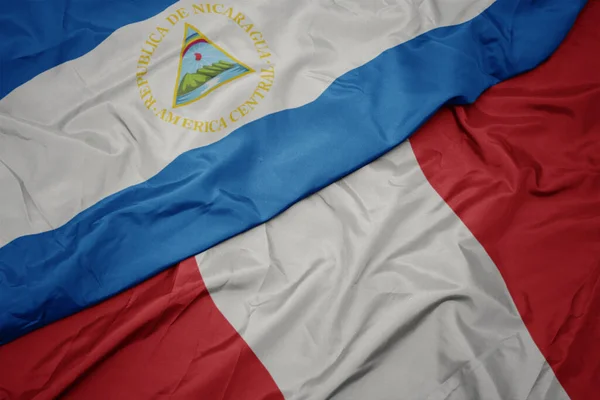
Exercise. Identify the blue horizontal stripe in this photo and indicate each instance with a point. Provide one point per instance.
(38, 35)
(212, 193)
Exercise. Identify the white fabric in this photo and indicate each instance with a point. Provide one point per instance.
(374, 289)
(80, 132)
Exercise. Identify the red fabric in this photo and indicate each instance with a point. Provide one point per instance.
(521, 168)
(162, 339)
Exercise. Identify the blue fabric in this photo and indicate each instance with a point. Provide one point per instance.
(212, 193)
(38, 35)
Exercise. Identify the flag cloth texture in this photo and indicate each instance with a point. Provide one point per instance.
(115, 167)
(462, 264)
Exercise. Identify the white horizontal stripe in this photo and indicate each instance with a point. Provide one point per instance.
(80, 132)
(374, 289)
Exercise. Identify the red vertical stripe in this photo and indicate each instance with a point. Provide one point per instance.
(162, 339)
(521, 167)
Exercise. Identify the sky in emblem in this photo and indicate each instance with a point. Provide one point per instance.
(209, 53)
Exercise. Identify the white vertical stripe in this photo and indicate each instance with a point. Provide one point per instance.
(374, 289)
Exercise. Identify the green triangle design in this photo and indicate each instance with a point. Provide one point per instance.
(203, 67)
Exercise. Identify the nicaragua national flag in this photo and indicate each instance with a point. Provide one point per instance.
(461, 265)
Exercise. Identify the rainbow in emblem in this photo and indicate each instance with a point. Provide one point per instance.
(203, 67)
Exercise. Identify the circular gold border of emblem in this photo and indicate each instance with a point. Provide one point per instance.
(266, 75)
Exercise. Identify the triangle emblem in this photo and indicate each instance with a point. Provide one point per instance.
(203, 67)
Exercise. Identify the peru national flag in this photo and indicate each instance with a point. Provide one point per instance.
(217, 201)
